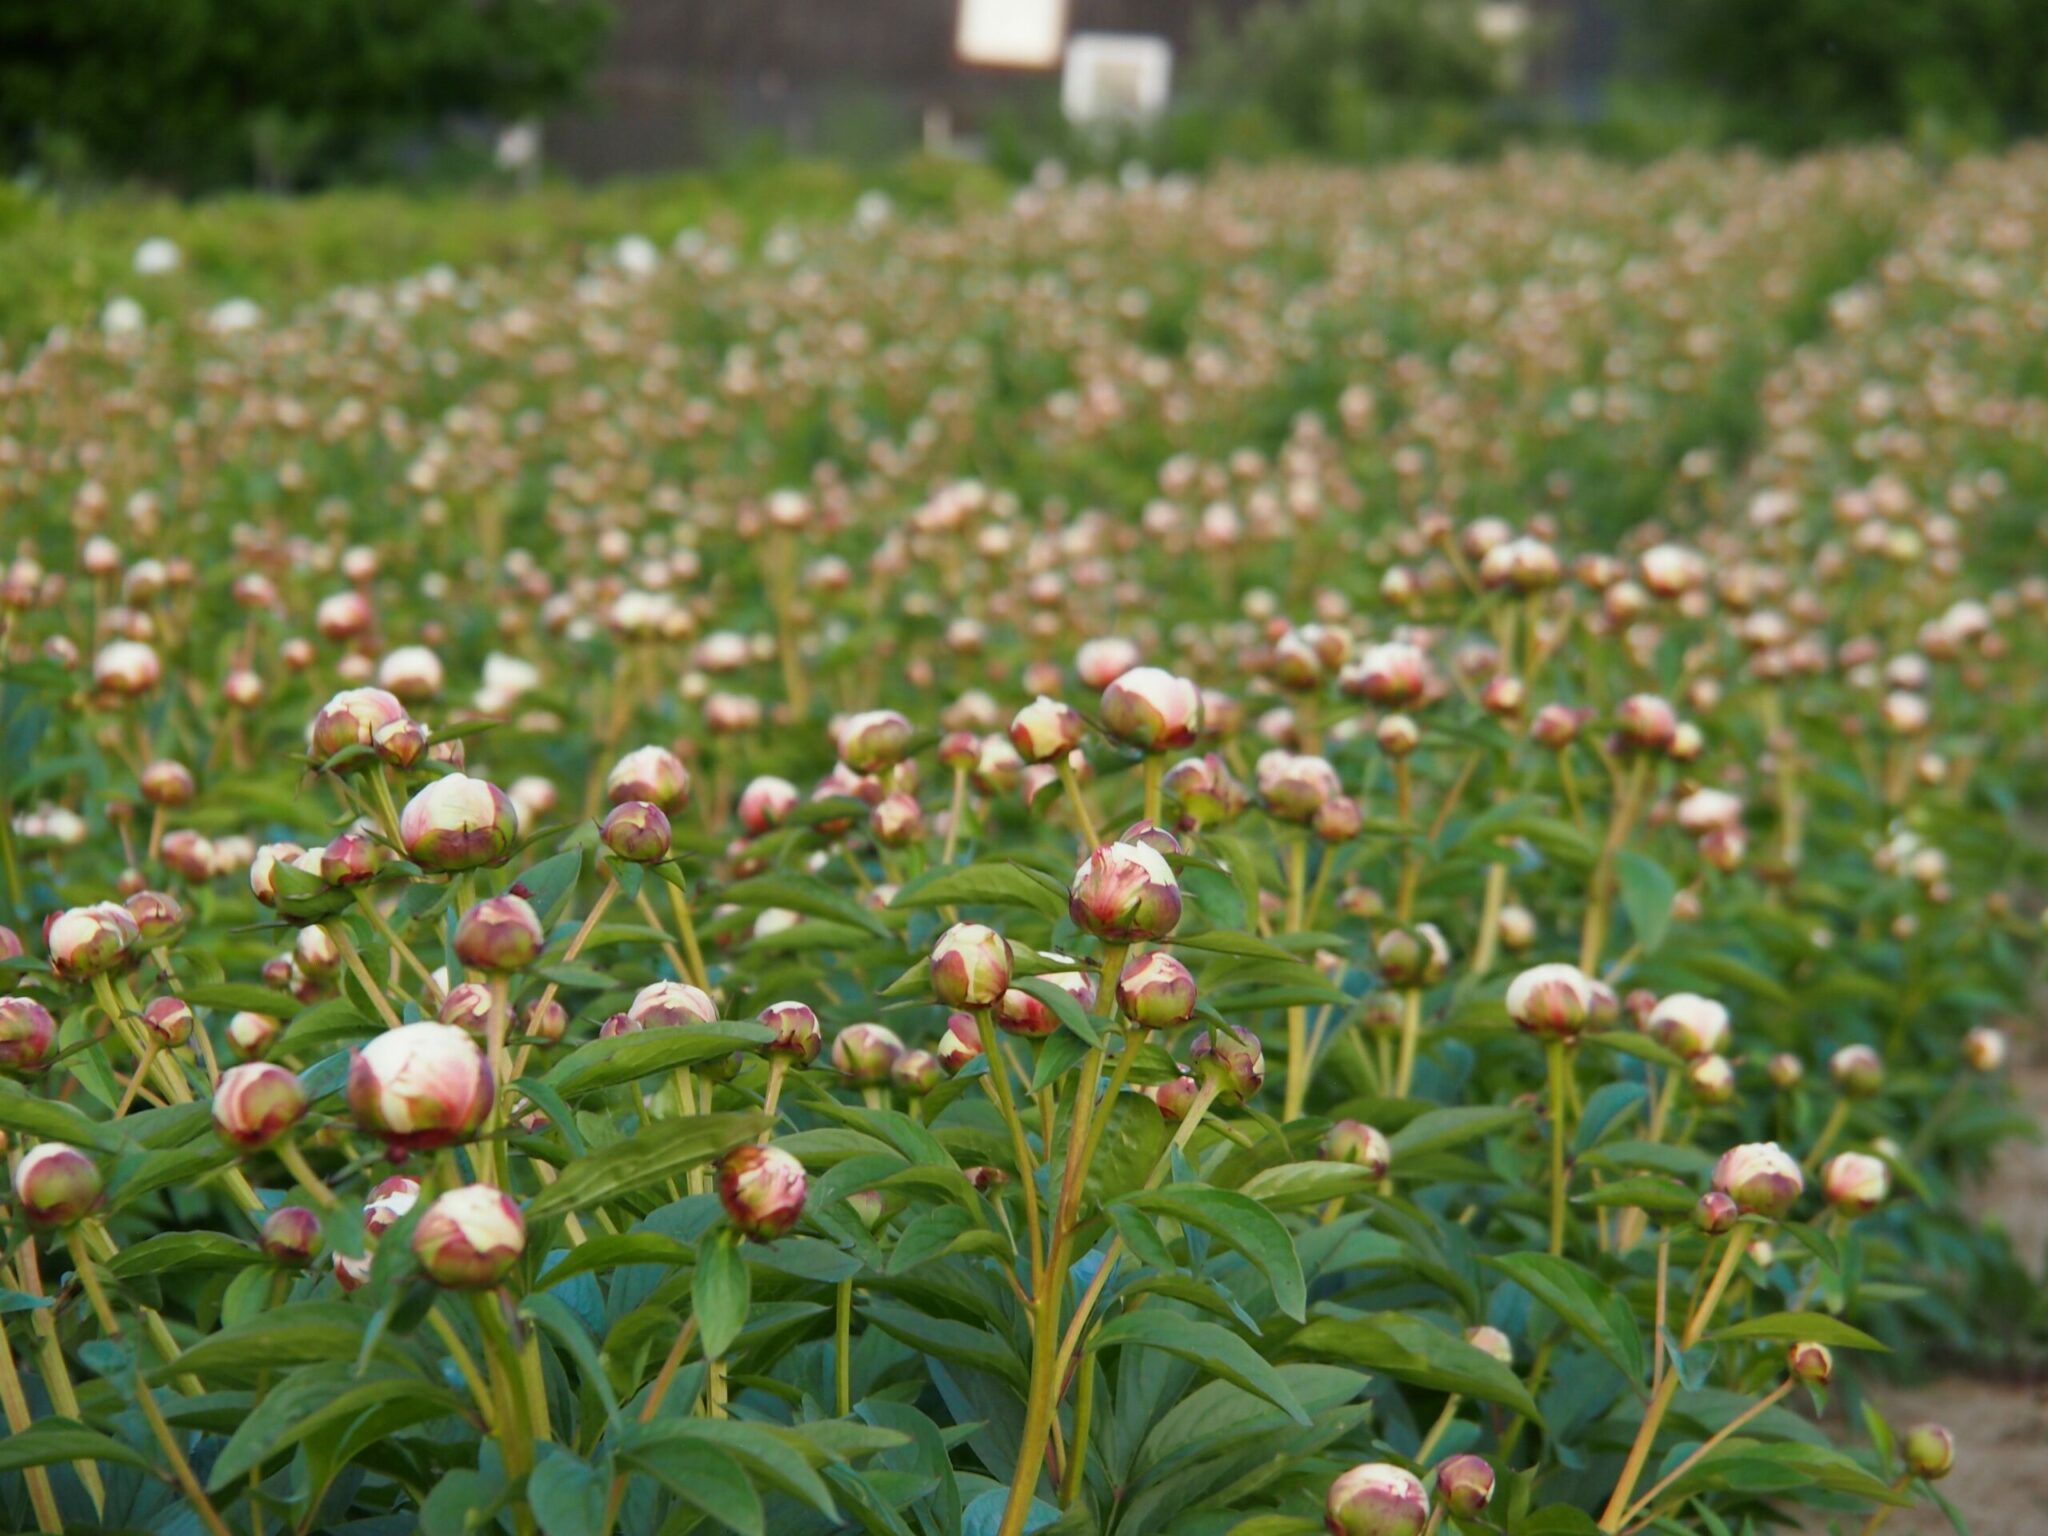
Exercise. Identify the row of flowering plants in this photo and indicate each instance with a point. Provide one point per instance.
(898, 1003)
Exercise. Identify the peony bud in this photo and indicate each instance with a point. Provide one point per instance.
(1295, 786)
(89, 941)
(498, 934)
(762, 1190)
(544, 1019)
(1855, 1183)
(1714, 1213)
(1858, 1071)
(1490, 1340)
(1760, 1177)
(420, 1085)
(1156, 991)
(403, 743)
(256, 1103)
(457, 823)
(1338, 819)
(1984, 1048)
(469, 1238)
(796, 1033)
(158, 918)
(56, 1185)
(168, 783)
(251, 1033)
(1464, 1485)
(1046, 729)
(1018, 1012)
(1784, 1070)
(916, 1073)
(1152, 710)
(1356, 1143)
(1376, 1499)
(290, 1236)
(1392, 676)
(1551, 1001)
(960, 1045)
(1691, 1025)
(864, 1054)
(126, 669)
(1811, 1363)
(970, 966)
(1205, 790)
(766, 803)
(637, 831)
(1232, 1058)
(671, 1005)
(1646, 723)
(352, 718)
(874, 741)
(27, 1034)
(897, 821)
(654, 774)
(1124, 892)
(1929, 1450)
(1411, 958)
(467, 1005)
(1710, 1080)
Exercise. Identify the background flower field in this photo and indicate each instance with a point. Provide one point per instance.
(1145, 854)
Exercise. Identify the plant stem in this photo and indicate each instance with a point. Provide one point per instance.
(287, 1152)
(1072, 786)
(1443, 1422)
(465, 1366)
(1152, 767)
(1411, 1035)
(56, 1374)
(1297, 1018)
(1600, 895)
(687, 931)
(375, 917)
(41, 1497)
(1706, 1446)
(354, 961)
(1489, 918)
(842, 1349)
(953, 816)
(998, 1083)
(778, 1068)
(1076, 1467)
(1830, 1129)
(1559, 1070)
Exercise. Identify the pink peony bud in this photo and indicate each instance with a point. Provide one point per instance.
(351, 859)
(1124, 892)
(916, 1073)
(1411, 958)
(27, 1034)
(290, 1236)
(960, 1045)
(654, 774)
(1714, 1213)
(1156, 991)
(1464, 1485)
(403, 743)
(1811, 1363)
(1376, 1499)
(1691, 1025)
(499, 933)
(1232, 1057)
(544, 1019)
(1360, 1145)
(1984, 1048)
(970, 966)
(1205, 790)
(352, 718)
(467, 1005)
(420, 1085)
(1858, 1071)
(168, 783)
(1152, 710)
(457, 823)
(762, 1190)
(1551, 1001)
(1492, 1341)
(796, 1033)
(874, 741)
(1046, 729)
(469, 1238)
(126, 669)
(56, 1185)
(766, 803)
(1555, 726)
(1295, 786)
(671, 1005)
(1929, 1451)
(251, 1033)
(1855, 1183)
(1710, 1080)
(1101, 662)
(864, 1054)
(1760, 1177)
(1175, 1097)
(1392, 676)
(256, 1103)
(89, 941)
(637, 831)
(897, 821)
(1646, 723)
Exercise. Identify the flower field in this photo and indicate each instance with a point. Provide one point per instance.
(1309, 851)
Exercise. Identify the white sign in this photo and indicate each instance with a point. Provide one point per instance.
(1116, 77)
(1011, 34)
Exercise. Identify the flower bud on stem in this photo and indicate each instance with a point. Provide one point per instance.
(1072, 786)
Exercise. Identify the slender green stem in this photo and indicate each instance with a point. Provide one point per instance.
(1077, 800)
(354, 961)
(1443, 1422)
(1560, 1110)
(954, 816)
(842, 1349)
(1076, 1468)
(374, 915)
(41, 1497)
(998, 1082)
(1830, 1129)
(287, 1152)
(1296, 1094)
(1411, 1038)
(1152, 768)
(1700, 1452)
(687, 930)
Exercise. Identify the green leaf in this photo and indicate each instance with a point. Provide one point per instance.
(182, 1250)
(549, 883)
(719, 1295)
(243, 997)
(1209, 1345)
(311, 1399)
(706, 1479)
(1064, 1005)
(1238, 1222)
(1647, 890)
(774, 1456)
(52, 1440)
(301, 1333)
(51, 1120)
(1584, 1305)
(655, 1154)
(1411, 1350)
(599, 1064)
(950, 1339)
(992, 883)
(1625, 1042)
(609, 1250)
(1435, 1129)
(567, 1496)
(1660, 1197)
(1225, 941)
(1289, 1186)
(812, 897)
(1799, 1327)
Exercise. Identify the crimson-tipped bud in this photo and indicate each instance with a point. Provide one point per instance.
(126, 669)
(1646, 723)
(544, 1019)
(897, 821)
(420, 1085)
(1691, 1025)
(352, 718)
(1855, 1183)
(1393, 676)
(1464, 1484)
(290, 1236)
(637, 831)
(1412, 957)
(458, 823)
(403, 743)
(1156, 991)
(469, 1238)
(916, 1073)
(1175, 1097)
(1376, 1498)
(1338, 819)
(168, 783)
(467, 1005)
(1785, 1070)
(1551, 1001)
(654, 774)
(671, 1005)
(27, 1034)
(1152, 710)
(1020, 1013)
(766, 803)
(1205, 790)
(1555, 727)
(499, 933)
(251, 1033)
(970, 966)
(864, 1053)
(90, 941)
(1231, 1057)
(874, 740)
(797, 1036)
(1930, 1451)
(1124, 892)
(1046, 729)
(1810, 1362)
(256, 1103)
(1714, 1213)
(762, 1190)
(1760, 1177)
(1710, 1080)
(1858, 1071)
(1360, 1145)
(56, 1185)
(959, 751)
(351, 859)
(960, 1045)
(1296, 785)
(158, 918)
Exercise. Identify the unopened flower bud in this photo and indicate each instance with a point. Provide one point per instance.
(168, 783)
(1551, 1001)
(671, 1005)
(256, 1103)
(420, 1085)
(916, 1073)
(1156, 991)
(1231, 1057)
(352, 718)
(1412, 957)
(1376, 1498)
(1205, 790)
(89, 941)
(1490, 1340)
(1929, 1451)
(1710, 1080)
(897, 821)
(762, 1190)
(1984, 1048)
(27, 1035)
(864, 1053)
(457, 823)
(874, 741)
(499, 934)
(56, 1185)
(1714, 1213)
(1046, 730)
(637, 831)
(1785, 1070)
(1760, 1177)
(251, 1033)
(1855, 1183)
(1358, 1144)
(1646, 723)
(544, 1019)
(290, 1236)
(766, 803)
(960, 1045)
(797, 1036)
(1152, 710)
(1811, 1363)
(469, 1238)
(1690, 1025)
(970, 965)
(654, 774)
(1464, 1484)
(1858, 1071)
(1124, 892)
(1020, 1013)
